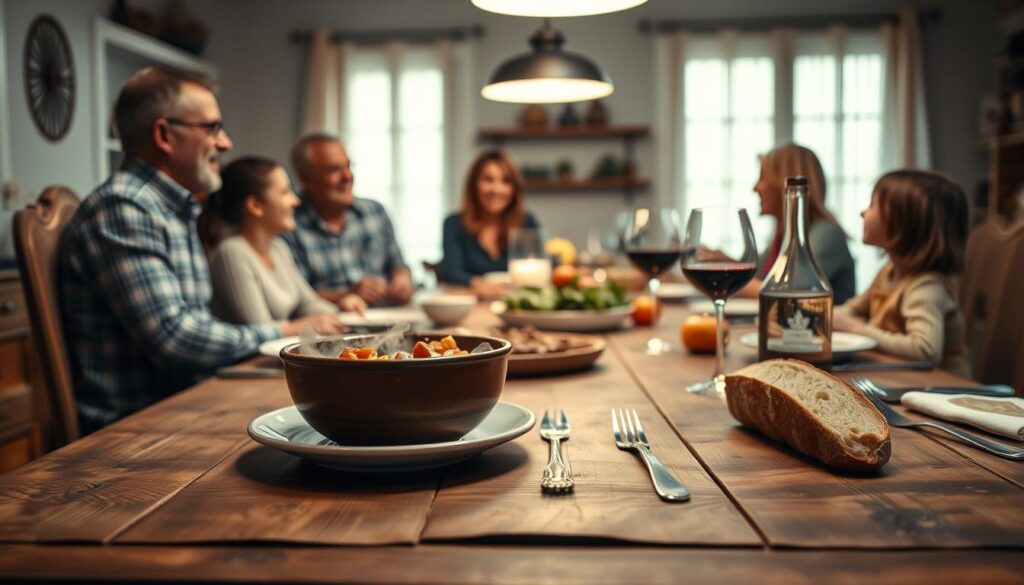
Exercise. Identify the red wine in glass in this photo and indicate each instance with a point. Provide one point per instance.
(719, 280)
(653, 261)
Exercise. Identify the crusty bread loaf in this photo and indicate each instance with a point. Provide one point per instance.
(811, 411)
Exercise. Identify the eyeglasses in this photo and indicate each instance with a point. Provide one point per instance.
(212, 128)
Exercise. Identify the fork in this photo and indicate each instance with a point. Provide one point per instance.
(631, 436)
(557, 476)
(874, 394)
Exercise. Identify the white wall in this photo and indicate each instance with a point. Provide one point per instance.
(261, 74)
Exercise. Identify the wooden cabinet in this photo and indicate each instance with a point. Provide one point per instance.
(17, 443)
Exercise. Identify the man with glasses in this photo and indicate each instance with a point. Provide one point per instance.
(135, 283)
(342, 243)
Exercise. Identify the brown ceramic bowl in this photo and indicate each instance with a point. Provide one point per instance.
(403, 402)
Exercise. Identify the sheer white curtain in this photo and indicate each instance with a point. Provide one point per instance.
(403, 112)
(723, 99)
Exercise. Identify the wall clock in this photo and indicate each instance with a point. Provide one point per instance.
(49, 77)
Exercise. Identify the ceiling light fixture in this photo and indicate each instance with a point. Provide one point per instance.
(547, 75)
(555, 8)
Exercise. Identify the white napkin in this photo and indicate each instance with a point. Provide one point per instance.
(1002, 416)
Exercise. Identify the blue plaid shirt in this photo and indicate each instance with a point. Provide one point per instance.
(366, 246)
(135, 293)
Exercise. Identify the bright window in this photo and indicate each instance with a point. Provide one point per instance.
(394, 129)
(744, 94)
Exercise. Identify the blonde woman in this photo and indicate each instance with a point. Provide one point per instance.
(826, 238)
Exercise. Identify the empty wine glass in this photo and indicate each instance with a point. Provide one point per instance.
(723, 260)
(653, 245)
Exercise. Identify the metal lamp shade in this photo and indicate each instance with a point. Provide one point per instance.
(555, 8)
(547, 75)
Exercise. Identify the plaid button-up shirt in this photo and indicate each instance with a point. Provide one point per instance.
(329, 260)
(135, 293)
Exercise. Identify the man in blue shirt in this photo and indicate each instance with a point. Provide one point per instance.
(343, 243)
(135, 283)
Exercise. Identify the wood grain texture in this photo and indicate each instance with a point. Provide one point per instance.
(499, 494)
(927, 496)
(506, 565)
(94, 488)
(260, 494)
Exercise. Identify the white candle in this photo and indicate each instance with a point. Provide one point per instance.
(530, 272)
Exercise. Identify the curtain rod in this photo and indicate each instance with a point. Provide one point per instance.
(379, 37)
(796, 22)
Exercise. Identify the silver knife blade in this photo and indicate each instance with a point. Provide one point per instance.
(894, 395)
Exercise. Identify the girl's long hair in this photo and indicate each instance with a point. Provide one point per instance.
(792, 160)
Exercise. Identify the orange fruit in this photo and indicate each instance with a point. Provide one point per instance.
(563, 275)
(646, 310)
(698, 333)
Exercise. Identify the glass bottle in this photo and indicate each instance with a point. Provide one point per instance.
(796, 298)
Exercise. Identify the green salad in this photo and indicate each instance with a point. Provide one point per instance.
(568, 298)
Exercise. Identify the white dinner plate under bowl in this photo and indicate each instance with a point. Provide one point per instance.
(273, 347)
(733, 307)
(576, 321)
(842, 342)
(285, 429)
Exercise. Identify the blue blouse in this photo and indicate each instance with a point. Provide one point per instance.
(465, 258)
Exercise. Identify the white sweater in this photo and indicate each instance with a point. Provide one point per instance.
(245, 291)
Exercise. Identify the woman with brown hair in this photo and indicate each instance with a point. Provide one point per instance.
(254, 277)
(826, 238)
(476, 238)
(920, 219)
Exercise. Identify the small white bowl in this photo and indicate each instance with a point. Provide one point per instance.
(448, 309)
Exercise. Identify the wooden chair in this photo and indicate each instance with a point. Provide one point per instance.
(991, 299)
(37, 232)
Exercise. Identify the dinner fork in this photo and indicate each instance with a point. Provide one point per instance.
(631, 436)
(874, 394)
(557, 476)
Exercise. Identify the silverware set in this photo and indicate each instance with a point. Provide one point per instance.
(629, 436)
(875, 395)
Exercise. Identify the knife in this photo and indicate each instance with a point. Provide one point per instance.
(880, 366)
(994, 390)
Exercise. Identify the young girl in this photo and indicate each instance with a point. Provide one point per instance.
(920, 219)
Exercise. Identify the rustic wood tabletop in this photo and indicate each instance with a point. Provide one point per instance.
(179, 492)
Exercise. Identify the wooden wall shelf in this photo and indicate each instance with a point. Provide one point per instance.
(568, 132)
(599, 184)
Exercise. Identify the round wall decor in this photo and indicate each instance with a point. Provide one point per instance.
(49, 77)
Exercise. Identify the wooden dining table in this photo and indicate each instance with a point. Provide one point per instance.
(179, 492)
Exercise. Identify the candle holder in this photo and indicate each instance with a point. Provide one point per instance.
(528, 265)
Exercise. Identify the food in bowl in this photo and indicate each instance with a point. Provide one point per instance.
(395, 402)
(448, 309)
(444, 347)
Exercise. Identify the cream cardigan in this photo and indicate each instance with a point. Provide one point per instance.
(916, 318)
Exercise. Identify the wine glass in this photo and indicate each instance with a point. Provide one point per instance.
(723, 261)
(652, 242)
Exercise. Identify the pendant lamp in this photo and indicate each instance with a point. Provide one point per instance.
(555, 8)
(547, 75)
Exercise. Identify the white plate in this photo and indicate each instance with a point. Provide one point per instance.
(733, 307)
(678, 291)
(577, 321)
(285, 429)
(385, 316)
(842, 342)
